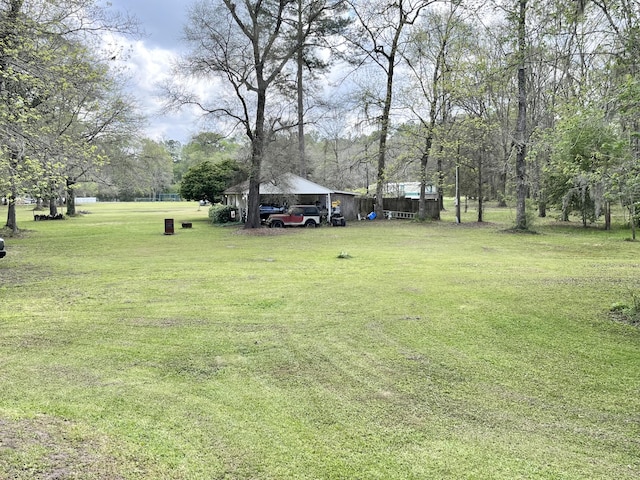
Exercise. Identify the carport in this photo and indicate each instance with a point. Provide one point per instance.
(287, 189)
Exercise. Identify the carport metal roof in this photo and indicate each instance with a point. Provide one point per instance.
(287, 184)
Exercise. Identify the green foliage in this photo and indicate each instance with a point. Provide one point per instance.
(628, 312)
(586, 148)
(144, 171)
(219, 213)
(204, 146)
(207, 180)
(58, 100)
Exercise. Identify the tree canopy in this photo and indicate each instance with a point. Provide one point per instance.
(207, 180)
(57, 97)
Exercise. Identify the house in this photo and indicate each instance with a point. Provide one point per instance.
(410, 190)
(289, 189)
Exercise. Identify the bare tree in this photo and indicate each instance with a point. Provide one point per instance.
(521, 123)
(434, 56)
(379, 36)
(246, 48)
(319, 40)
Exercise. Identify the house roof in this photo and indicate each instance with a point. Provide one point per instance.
(285, 184)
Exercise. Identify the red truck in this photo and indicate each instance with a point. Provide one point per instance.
(296, 216)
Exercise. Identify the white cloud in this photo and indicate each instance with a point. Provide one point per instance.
(146, 68)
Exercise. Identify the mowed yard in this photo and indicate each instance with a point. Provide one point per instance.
(383, 350)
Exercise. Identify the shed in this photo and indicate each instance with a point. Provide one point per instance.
(289, 189)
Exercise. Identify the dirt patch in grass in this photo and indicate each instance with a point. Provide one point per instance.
(260, 232)
(50, 448)
(25, 275)
(474, 224)
(520, 231)
(625, 317)
(9, 233)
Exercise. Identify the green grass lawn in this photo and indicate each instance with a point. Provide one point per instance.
(432, 350)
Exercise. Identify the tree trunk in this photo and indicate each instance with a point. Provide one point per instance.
(542, 206)
(386, 112)
(12, 223)
(300, 92)
(382, 148)
(53, 207)
(433, 111)
(458, 217)
(71, 198)
(440, 180)
(422, 203)
(11, 215)
(633, 220)
(521, 126)
(502, 185)
(257, 150)
(480, 191)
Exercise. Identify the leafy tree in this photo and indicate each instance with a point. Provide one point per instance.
(520, 141)
(586, 148)
(46, 72)
(474, 150)
(208, 179)
(335, 149)
(625, 181)
(143, 169)
(204, 146)
(155, 168)
(25, 82)
(97, 116)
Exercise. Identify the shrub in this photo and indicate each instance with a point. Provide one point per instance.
(219, 213)
(626, 312)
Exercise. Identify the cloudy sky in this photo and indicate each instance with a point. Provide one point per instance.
(148, 61)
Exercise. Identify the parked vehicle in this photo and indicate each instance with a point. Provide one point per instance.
(266, 210)
(296, 216)
(3, 252)
(337, 220)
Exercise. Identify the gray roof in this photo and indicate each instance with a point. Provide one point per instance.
(286, 184)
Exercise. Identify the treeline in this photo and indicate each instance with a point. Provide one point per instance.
(531, 100)
(536, 101)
